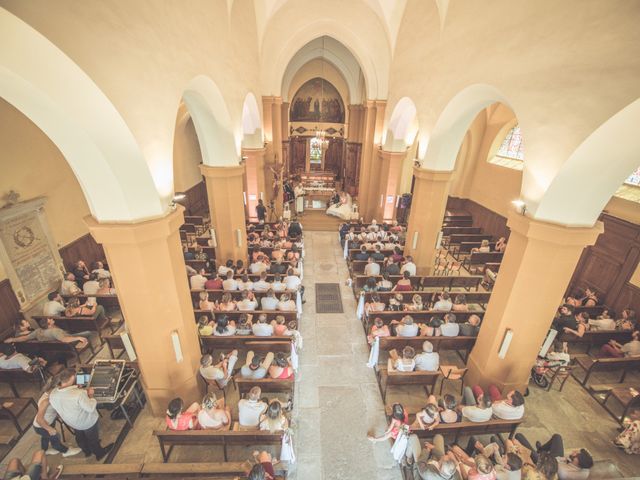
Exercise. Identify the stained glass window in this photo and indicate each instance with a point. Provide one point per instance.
(634, 178)
(315, 150)
(512, 146)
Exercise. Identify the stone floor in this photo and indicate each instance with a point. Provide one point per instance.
(338, 403)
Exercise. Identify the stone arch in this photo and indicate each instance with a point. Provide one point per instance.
(212, 121)
(43, 83)
(251, 123)
(402, 127)
(594, 171)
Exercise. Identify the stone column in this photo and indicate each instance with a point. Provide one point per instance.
(276, 114)
(428, 205)
(147, 265)
(388, 171)
(226, 205)
(534, 274)
(254, 174)
(371, 137)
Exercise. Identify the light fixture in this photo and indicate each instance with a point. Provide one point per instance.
(520, 206)
(177, 349)
(177, 198)
(414, 244)
(506, 342)
(214, 240)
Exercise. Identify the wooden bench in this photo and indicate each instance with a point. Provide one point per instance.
(423, 378)
(108, 301)
(454, 431)
(596, 338)
(217, 470)
(477, 260)
(16, 407)
(52, 349)
(100, 470)
(11, 376)
(273, 343)
(235, 314)
(422, 283)
(440, 344)
(236, 295)
(453, 214)
(224, 438)
(421, 316)
(625, 398)
(268, 385)
(591, 365)
(480, 298)
(80, 323)
(354, 251)
(465, 248)
(452, 230)
(458, 223)
(454, 240)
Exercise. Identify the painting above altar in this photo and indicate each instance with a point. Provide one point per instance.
(317, 101)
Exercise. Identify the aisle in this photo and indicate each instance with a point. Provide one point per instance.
(337, 399)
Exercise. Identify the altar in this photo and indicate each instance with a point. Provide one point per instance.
(318, 188)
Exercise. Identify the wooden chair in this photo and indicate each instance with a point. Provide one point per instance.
(452, 373)
(441, 267)
(560, 373)
(454, 267)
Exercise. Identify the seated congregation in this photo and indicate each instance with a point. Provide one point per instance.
(414, 325)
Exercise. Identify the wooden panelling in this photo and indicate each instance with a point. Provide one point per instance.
(85, 248)
(607, 266)
(9, 308)
(196, 202)
(298, 150)
(488, 220)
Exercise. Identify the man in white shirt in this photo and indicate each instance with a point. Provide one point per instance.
(409, 266)
(12, 360)
(602, 324)
(257, 267)
(69, 285)
(473, 411)
(98, 268)
(220, 372)
(262, 285)
(406, 328)
(248, 301)
(278, 285)
(450, 328)
(250, 409)
(444, 304)
(428, 360)
(255, 367)
(372, 268)
(198, 281)
(230, 283)
(54, 306)
(291, 281)
(511, 407)
(77, 408)
(91, 286)
(269, 301)
(224, 269)
(262, 328)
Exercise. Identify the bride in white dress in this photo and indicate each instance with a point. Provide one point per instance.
(342, 209)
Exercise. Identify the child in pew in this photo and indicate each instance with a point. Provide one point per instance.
(399, 419)
(178, 418)
(213, 414)
(379, 329)
(404, 364)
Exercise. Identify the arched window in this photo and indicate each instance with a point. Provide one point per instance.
(634, 178)
(630, 189)
(510, 154)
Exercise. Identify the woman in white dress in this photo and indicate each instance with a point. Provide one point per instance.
(343, 209)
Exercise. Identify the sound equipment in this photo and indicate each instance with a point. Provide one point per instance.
(105, 380)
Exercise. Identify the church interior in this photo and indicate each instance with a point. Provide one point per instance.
(354, 239)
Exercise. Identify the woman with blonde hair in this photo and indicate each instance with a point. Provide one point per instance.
(227, 304)
(274, 419)
(213, 414)
(204, 302)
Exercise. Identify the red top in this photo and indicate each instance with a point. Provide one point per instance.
(403, 288)
(213, 284)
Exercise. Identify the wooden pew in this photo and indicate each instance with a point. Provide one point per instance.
(14, 408)
(454, 431)
(452, 214)
(593, 311)
(224, 438)
(465, 248)
(422, 283)
(625, 398)
(114, 342)
(596, 338)
(210, 251)
(108, 301)
(454, 240)
(11, 376)
(268, 385)
(274, 343)
(152, 470)
(235, 315)
(79, 324)
(254, 277)
(51, 350)
(457, 223)
(420, 316)
(440, 344)
(451, 230)
(100, 470)
(480, 298)
(424, 378)
(476, 261)
(216, 295)
(591, 365)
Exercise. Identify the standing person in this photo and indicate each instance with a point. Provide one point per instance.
(77, 408)
(295, 229)
(261, 211)
(43, 426)
(299, 193)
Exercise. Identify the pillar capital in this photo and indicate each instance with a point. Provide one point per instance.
(392, 156)
(222, 172)
(432, 175)
(553, 233)
(254, 152)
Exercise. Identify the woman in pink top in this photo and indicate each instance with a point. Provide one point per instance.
(226, 303)
(177, 419)
(279, 327)
(399, 418)
(281, 367)
(379, 329)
